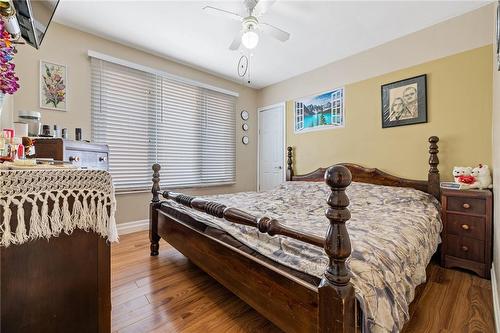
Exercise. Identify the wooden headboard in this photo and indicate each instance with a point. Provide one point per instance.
(378, 177)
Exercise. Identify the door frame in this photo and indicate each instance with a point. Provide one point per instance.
(282, 105)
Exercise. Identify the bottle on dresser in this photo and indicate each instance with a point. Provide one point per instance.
(8, 148)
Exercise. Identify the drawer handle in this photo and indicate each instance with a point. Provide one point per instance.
(465, 226)
(74, 158)
(466, 205)
(464, 248)
(102, 159)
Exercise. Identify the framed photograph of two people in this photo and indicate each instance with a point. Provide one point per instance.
(404, 102)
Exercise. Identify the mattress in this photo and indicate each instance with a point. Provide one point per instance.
(394, 232)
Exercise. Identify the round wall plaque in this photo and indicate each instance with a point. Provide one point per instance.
(245, 140)
(244, 115)
(245, 127)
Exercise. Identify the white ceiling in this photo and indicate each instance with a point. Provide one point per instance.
(321, 31)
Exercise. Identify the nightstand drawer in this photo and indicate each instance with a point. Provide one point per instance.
(465, 248)
(467, 205)
(463, 225)
(467, 230)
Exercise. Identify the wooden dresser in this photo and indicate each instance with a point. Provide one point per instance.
(62, 285)
(467, 232)
(58, 284)
(80, 153)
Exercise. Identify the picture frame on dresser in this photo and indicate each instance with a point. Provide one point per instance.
(467, 230)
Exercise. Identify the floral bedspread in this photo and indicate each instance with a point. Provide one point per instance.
(394, 232)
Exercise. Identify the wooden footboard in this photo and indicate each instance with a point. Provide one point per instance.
(288, 302)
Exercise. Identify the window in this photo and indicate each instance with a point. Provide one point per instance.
(337, 101)
(299, 114)
(147, 117)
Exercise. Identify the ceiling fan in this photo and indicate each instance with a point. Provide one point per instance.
(251, 24)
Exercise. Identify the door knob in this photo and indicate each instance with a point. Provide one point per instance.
(279, 167)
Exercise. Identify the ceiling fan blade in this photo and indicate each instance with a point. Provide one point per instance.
(276, 32)
(222, 12)
(262, 6)
(236, 42)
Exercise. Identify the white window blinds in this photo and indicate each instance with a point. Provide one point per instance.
(147, 118)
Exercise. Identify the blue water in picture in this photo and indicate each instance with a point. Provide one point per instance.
(314, 120)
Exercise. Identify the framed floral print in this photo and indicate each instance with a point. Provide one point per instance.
(53, 86)
(404, 102)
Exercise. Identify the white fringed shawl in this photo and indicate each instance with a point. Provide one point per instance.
(93, 208)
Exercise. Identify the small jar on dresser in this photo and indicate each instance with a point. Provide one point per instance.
(467, 230)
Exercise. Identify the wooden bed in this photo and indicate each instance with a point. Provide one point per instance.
(292, 304)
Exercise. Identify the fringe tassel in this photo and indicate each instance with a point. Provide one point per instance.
(93, 223)
(35, 222)
(100, 217)
(6, 236)
(102, 225)
(21, 235)
(44, 221)
(93, 209)
(77, 213)
(112, 231)
(85, 216)
(66, 216)
(55, 218)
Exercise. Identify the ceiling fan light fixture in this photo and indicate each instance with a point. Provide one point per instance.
(250, 39)
(249, 35)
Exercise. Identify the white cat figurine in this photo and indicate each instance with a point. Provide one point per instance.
(461, 171)
(483, 177)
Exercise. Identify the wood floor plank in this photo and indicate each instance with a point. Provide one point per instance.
(470, 316)
(170, 294)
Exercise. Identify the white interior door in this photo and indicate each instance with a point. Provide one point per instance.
(271, 147)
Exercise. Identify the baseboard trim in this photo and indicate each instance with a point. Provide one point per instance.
(132, 226)
(496, 303)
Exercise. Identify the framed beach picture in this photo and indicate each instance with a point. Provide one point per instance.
(404, 102)
(319, 112)
(53, 86)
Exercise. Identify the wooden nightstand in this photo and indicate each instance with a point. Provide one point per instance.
(467, 230)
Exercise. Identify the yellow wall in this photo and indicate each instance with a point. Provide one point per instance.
(459, 99)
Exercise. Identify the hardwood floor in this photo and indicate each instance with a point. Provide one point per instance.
(169, 294)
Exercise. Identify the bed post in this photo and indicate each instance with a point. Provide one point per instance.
(434, 186)
(336, 294)
(289, 162)
(153, 212)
